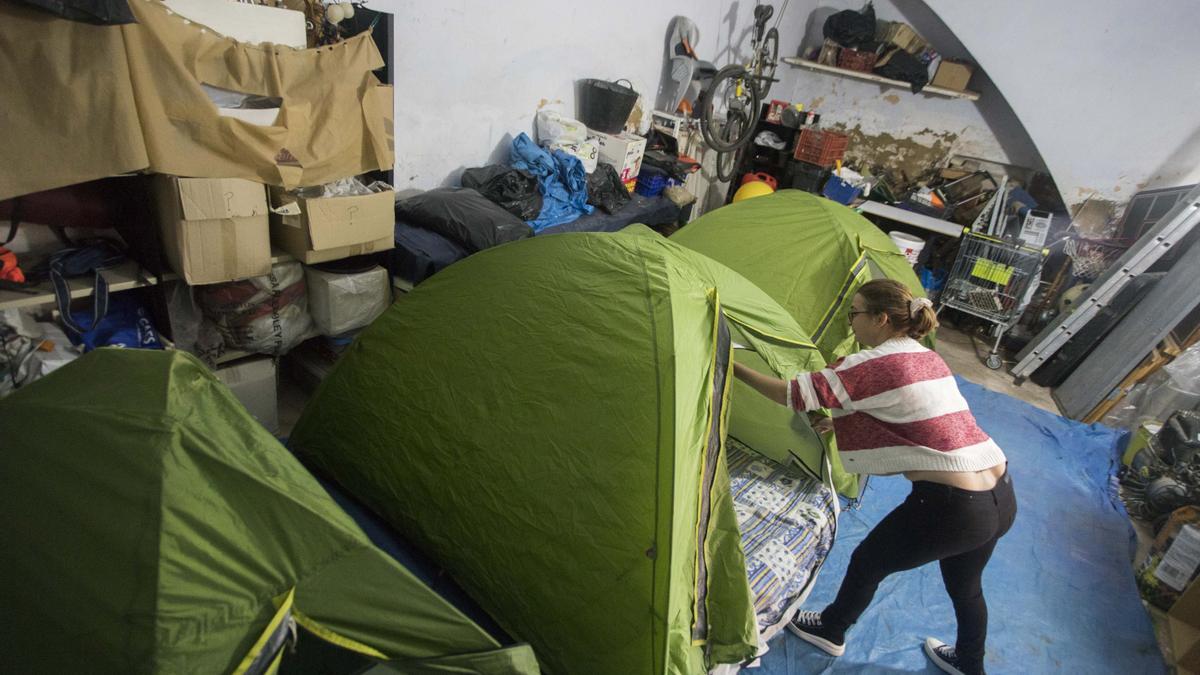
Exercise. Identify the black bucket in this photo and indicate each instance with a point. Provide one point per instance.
(604, 106)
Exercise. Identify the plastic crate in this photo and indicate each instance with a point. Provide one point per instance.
(840, 191)
(808, 177)
(854, 59)
(822, 148)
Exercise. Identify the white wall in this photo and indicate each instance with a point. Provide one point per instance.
(1107, 88)
(470, 74)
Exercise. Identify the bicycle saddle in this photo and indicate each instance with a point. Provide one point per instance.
(762, 13)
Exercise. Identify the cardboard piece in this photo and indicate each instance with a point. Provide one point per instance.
(624, 151)
(903, 36)
(329, 228)
(213, 229)
(953, 75)
(253, 381)
(145, 105)
(1184, 623)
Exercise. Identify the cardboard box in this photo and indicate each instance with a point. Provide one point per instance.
(624, 151)
(1184, 623)
(343, 302)
(903, 36)
(330, 228)
(253, 381)
(213, 229)
(953, 75)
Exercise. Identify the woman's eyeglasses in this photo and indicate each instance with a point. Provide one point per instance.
(852, 313)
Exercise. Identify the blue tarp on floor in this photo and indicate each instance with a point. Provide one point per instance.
(1060, 588)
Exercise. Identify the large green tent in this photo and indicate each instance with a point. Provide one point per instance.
(547, 420)
(808, 253)
(152, 526)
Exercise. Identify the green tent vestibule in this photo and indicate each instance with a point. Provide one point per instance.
(152, 526)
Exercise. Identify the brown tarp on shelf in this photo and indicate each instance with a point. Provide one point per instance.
(83, 102)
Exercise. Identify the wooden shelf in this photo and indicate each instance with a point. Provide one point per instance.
(123, 277)
(871, 77)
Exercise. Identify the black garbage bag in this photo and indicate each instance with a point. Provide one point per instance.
(516, 191)
(605, 189)
(100, 12)
(849, 28)
(898, 64)
(463, 216)
(1180, 437)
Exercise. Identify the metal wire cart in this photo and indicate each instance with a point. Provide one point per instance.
(991, 279)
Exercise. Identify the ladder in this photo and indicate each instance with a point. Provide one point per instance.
(1168, 232)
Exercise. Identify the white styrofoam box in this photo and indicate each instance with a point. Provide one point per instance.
(245, 22)
(340, 302)
(253, 381)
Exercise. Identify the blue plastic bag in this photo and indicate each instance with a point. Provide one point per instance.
(127, 324)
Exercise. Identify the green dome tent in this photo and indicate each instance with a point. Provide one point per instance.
(808, 253)
(152, 526)
(547, 420)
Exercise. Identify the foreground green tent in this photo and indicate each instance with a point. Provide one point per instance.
(808, 253)
(547, 420)
(152, 526)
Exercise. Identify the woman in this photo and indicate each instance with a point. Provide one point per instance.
(896, 409)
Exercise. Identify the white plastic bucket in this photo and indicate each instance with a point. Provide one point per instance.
(909, 245)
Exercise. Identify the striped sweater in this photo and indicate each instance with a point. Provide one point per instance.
(896, 408)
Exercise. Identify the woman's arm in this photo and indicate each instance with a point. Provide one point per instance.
(771, 387)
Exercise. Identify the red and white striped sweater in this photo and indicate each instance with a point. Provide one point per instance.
(896, 408)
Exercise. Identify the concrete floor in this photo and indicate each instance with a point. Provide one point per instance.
(965, 355)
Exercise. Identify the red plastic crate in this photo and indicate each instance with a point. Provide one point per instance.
(853, 59)
(822, 148)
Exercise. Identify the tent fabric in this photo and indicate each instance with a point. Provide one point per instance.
(151, 525)
(546, 420)
(84, 102)
(561, 180)
(808, 253)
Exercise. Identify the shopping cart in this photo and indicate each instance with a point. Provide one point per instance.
(991, 279)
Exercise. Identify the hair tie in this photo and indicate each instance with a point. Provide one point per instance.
(917, 304)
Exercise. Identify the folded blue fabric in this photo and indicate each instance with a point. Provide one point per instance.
(561, 179)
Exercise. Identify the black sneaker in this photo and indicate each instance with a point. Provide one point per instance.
(944, 657)
(808, 627)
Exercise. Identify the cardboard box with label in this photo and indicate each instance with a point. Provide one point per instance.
(320, 229)
(253, 381)
(213, 229)
(954, 75)
(624, 151)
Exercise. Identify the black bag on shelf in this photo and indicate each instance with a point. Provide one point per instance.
(463, 216)
(900, 65)
(850, 28)
(605, 189)
(516, 191)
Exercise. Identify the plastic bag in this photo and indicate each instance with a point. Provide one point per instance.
(554, 127)
(1174, 387)
(346, 187)
(587, 152)
(126, 324)
(463, 216)
(514, 190)
(342, 302)
(266, 315)
(850, 28)
(605, 189)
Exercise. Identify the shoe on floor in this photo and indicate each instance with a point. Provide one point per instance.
(943, 656)
(808, 627)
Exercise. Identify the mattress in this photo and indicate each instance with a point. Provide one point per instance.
(788, 521)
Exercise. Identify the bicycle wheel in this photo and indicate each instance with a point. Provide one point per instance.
(729, 92)
(727, 162)
(766, 61)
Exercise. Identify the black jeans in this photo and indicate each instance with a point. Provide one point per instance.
(958, 528)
